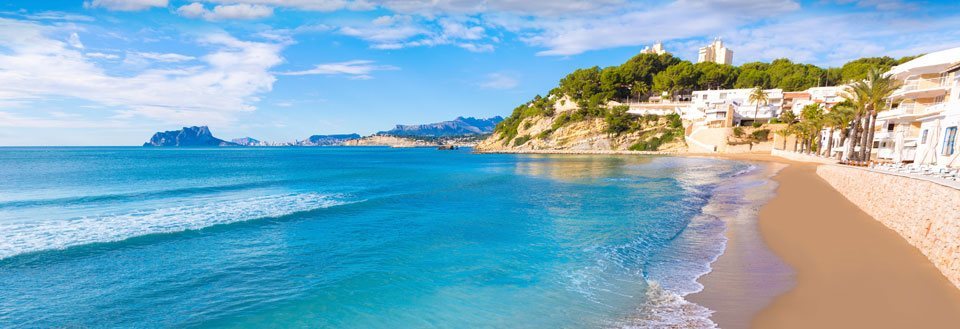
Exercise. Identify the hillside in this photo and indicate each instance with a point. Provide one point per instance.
(576, 116)
(577, 130)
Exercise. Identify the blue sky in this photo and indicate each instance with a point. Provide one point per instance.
(112, 72)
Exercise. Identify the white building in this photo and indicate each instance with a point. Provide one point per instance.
(726, 107)
(922, 124)
(656, 49)
(826, 96)
(715, 52)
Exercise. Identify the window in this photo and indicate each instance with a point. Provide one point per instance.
(890, 127)
(949, 140)
(723, 95)
(938, 100)
(923, 136)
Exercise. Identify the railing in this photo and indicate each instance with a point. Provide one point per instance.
(916, 108)
(920, 84)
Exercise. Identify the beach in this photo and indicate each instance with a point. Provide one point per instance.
(847, 270)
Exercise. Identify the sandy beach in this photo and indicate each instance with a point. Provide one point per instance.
(846, 270)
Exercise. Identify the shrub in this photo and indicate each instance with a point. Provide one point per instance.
(648, 145)
(520, 140)
(675, 121)
(737, 132)
(761, 135)
(618, 120)
(757, 124)
(527, 125)
(544, 134)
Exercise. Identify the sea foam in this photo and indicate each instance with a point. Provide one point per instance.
(24, 237)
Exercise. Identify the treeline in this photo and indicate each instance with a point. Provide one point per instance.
(647, 75)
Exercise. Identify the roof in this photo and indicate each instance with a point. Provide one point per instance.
(929, 63)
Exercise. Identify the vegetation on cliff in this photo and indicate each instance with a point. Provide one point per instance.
(647, 75)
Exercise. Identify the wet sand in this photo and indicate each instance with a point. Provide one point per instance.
(846, 269)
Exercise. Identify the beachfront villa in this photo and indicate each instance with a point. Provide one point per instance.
(656, 49)
(731, 107)
(715, 52)
(921, 126)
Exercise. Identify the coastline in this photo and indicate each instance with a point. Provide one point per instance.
(850, 270)
(809, 258)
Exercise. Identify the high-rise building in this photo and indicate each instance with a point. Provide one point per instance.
(656, 49)
(716, 52)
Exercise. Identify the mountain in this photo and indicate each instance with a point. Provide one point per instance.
(188, 136)
(328, 140)
(248, 141)
(457, 127)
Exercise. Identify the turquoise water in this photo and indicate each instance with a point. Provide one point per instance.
(353, 238)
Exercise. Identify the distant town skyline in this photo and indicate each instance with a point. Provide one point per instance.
(113, 72)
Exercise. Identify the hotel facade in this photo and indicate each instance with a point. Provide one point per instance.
(921, 126)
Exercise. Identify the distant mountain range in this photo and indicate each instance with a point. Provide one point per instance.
(460, 127)
(327, 140)
(186, 137)
(457, 127)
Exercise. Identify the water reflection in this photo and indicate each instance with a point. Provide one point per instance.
(573, 168)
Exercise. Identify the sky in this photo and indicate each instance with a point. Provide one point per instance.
(113, 72)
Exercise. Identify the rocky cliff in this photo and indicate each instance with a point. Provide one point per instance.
(247, 141)
(186, 137)
(392, 141)
(540, 127)
(458, 127)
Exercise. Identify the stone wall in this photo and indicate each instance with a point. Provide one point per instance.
(924, 213)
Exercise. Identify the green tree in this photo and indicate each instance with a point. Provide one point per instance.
(677, 78)
(758, 96)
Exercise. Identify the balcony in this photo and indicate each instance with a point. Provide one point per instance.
(921, 88)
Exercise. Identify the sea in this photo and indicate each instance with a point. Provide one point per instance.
(362, 237)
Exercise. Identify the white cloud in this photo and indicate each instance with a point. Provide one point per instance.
(844, 37)
(403, 31)
(74, 41)
(225, 81)
(58, 16)
(101, 55)
(165, 57)
(355, 69)
(499, 81)
(125, 5)
(225, 12)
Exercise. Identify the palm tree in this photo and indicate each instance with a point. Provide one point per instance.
(812, 116)
(758, 95)
(881, 87)
(856, 94)
(837, 119)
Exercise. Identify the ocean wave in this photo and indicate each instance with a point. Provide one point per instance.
(139, 195)
(19, 237)
(666, 309)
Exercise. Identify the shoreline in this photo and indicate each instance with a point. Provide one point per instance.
(841, 268)
(851, 271)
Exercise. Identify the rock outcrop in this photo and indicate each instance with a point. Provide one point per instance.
(187, 137)
(563, 130)
(247, 141)
(392, 141)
